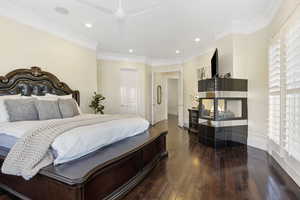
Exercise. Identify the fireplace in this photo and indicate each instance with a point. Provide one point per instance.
(223, 112)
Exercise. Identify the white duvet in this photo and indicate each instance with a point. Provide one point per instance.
(80, 141)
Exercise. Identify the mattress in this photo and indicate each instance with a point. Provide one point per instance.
(79, 141)
(7, 141)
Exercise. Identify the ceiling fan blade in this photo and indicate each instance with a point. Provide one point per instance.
(99, 8)
(120, 4)
(119, 30)
(135, 13)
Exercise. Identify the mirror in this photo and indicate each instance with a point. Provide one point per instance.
(159, 94)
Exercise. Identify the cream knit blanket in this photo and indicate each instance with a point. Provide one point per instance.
(31, 152)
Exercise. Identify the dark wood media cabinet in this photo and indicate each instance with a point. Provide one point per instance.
(193, 120)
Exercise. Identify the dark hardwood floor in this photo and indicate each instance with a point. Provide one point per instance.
(195, 172)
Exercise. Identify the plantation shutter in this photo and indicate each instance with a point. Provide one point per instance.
(274, 92)
(292, 93)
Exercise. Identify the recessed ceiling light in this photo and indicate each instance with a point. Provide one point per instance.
(88, 25)
(197, 39)
(177, 52)
(130, 50)
(61, 10)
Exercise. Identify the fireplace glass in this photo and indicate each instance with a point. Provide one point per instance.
(221, 109)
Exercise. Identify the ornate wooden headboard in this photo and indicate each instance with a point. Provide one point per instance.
(34, 81)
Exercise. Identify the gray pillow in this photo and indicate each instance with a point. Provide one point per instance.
(21, 109)
(48, 109)
(68, 108)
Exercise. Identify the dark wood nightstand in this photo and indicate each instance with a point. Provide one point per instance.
(193, 120)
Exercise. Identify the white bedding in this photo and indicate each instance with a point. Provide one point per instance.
(80, 141)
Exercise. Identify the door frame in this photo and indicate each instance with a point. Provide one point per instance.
(181, 94)
(167, 94)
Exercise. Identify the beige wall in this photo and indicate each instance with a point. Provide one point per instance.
(173, 96)
(225, 50)
(24, 46)
(109, 80)
(191, 82)
(250, 60)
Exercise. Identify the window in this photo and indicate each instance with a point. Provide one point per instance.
(284, 93)
(274, 92)
(129, 91)
(292, 93)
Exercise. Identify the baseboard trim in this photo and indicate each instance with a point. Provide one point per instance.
(257, 141)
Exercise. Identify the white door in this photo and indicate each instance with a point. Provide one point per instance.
(180, 100)
(158, 97)
(129, 91)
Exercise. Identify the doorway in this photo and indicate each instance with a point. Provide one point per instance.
(172, 97)
(162, 97)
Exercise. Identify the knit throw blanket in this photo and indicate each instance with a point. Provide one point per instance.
(32, 152)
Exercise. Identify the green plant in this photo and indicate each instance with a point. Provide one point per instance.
(96, 103)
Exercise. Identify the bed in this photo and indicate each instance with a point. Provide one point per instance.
(107, 173)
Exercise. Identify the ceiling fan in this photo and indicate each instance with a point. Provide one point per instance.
(119, 13)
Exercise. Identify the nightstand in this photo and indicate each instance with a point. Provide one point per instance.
(193, 120)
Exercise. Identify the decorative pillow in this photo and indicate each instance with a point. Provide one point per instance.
(68, 108)
(4, 117)
(59, 96)
(21, 109)
(56, 97)
(48, 109)
(44, 98)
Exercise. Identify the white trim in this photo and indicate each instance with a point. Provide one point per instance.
(252, 25)
(120, 57)
(224, 123)
(165, 62)
(153, 62)
(223, 94)
(257, 141)
(292, 172)
(167, 68)
(180, 85)
(190, 58)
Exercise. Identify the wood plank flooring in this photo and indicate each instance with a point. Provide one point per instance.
(195, 172)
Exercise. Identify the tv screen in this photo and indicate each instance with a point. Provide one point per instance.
(215, 64)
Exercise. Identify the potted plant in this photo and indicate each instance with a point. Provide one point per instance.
(96, 103)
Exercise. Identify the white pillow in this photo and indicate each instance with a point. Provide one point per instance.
(45, 98)
(4, 117)
(56, 97)
(59, 97)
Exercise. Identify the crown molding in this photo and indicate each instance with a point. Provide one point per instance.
(252, 25)
(121, 57)
(33, 20)
(207, 51)
(166, 62)
(153, 62)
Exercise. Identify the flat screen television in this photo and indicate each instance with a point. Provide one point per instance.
(215, 64)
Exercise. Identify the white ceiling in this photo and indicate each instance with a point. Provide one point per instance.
(157, 34)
